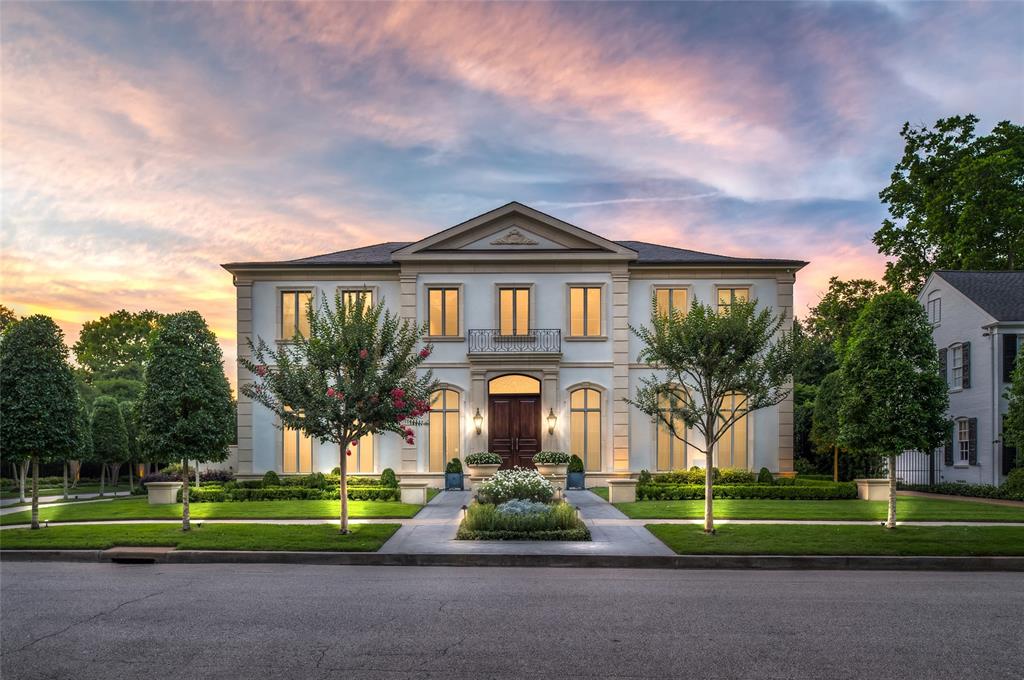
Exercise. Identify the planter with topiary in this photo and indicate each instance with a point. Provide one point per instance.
(575, 476)
(552, 463)
(453, 476)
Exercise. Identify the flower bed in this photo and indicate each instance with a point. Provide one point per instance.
(517, 483)
(522, 520)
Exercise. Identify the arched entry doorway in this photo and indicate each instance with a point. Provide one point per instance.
(513, 414)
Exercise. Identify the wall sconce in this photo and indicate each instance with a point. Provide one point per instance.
(552, 419)
(478, 421)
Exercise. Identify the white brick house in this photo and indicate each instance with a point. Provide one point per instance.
(529, 319)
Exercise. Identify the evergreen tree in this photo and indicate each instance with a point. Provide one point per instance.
(109, 435)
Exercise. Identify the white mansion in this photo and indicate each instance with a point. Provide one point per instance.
(529, 320)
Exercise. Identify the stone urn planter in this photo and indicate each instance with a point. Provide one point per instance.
(548, 470)
(482, 471)
(162, 493)
(481, 466)
(872, 489)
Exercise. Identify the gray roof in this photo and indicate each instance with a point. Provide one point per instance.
(379, 255)
(1001, 294)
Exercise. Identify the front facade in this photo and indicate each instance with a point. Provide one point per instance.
(529, 318)
(977, 323)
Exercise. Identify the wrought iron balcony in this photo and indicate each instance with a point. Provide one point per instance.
(538, 340)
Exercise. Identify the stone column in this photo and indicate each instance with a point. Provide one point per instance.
(243, 311)
(620, 372)
(550, 400)
(408, 311)
(477, 400)
(784, 303)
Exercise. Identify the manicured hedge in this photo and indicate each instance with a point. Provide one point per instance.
(286, 493)
(580, 534)
(695, 475)
(679, 492)
(972, 490)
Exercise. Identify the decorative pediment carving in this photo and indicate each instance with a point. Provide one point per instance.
(514, 237)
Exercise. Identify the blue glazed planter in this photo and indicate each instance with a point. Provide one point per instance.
(453, 481)
(575, 480)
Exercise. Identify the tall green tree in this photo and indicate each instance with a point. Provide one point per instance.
(893, 397)
(130, 411)
(73, 462)
(118, 345)
(109, 435)
(7, 318)
(825, 424)
(1013, 424)
(38, 400)
(356, 374)
(831, 320)
(955, 200)
(701, 357)
(186, 407)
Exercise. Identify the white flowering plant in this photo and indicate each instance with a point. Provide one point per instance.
(483, 458)
(516, 483)
(551, 458)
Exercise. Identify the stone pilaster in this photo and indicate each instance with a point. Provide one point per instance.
(784, 304)
(243, 294)
(408, 311)
(620, 372)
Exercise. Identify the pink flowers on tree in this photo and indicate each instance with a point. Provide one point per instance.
(331, 392)
(261, 371)
(363, 353)
(425, 352)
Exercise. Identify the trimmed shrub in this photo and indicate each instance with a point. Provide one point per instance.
(483, 458)
(270, 478)
(765, 476)
(669, 492)
(545, 518)
(695, 475)
(734, 476)
(521, 507)
(644, 478)
(551, 458)
(160, 477)
(215, 476)
(203, 494)
(576, 464)
(518, 482)
(970, 490)
(299, 493)
(174, 470)
(1014, 484)
(388, 478)
(454, 467)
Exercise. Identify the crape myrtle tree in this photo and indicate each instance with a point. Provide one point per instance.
(38, 399)
(109, 436)
(893, 395)
(702, 357)
(354, 375)
(186, 406)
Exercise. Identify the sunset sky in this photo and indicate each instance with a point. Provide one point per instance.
(145, 144)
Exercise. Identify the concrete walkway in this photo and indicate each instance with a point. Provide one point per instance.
(969, 499)
(5, 502)
(51, 501)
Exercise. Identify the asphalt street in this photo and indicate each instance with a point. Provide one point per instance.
(87, 621)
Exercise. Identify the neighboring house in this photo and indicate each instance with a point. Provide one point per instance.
(529, 320)
(978, 325)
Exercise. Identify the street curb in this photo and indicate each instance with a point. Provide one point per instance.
(767, 562)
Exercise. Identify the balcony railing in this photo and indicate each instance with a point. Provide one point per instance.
(490, 340)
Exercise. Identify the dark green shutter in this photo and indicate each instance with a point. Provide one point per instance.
(943, 354)
(972, 437)
(951, 435)
(1009, 356)
(966, 364)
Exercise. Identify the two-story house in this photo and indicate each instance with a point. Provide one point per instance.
(529, 317)
(978, 326)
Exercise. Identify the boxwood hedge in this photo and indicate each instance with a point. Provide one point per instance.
(678, 492)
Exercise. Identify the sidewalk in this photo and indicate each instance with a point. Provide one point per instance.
(9, 505)
(969, 499)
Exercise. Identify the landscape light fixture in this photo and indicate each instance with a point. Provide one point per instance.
(478, 421)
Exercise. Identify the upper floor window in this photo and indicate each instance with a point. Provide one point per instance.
(671, 300)
(355, 296)
(294, 304)
(443, 312)
(514, 311)
(727, 296)
(957, 366)
(963, 442)
(584, 311)
(934, 308)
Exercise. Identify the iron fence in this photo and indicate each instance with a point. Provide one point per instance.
(491, 340)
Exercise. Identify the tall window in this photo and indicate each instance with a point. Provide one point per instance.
(727, 296)
(671, 450)
(963, 442)
(670, 300)
(293, 313)
(514, 311)
(298, 452)
(354, 296)
(732, 447)
(443, 428)
(934, 308)
(584, 311)
(957, 364)
(585, 426)
(362, 455)
(444, 312)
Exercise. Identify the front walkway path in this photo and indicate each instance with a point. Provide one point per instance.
(50, 501)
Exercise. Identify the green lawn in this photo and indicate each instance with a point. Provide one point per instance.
(139, 508)
(323, 537)
(790, 539)
(908, 509)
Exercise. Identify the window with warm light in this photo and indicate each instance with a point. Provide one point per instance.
(670, 300)
(443, 313)
(294, 321)
(671, 451)
(584, 311)
(297, 452)
(362, 455)
(732, 447)
(728, 296)
(585, 426)
(443, 427)
(514, 311)
(352, 297)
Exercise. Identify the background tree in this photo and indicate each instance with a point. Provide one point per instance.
(825, 424)
(119, 344)
(804, 448)
(893, 396)
(130, 412)
(38, 401)
(186, 407)
(699, 358)
(956, 201)
(73, 463)
(109, 436)
(354, 375)
(1013, 425)
(831, 321)
(7, 317)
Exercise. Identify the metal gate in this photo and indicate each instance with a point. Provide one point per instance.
(916, 467)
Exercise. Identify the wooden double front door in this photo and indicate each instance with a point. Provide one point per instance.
(514, 428)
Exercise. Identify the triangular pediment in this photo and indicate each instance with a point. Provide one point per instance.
(513, 231)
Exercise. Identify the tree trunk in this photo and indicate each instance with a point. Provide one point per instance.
(835, 463)
(103, 478)
(890, 522)
(115, 475)
(197, 474)
(76, 472)
(343, 486)
(184, 496)
(22, 475)
(131, 480)
(35, 492)
(65, 479)
(709, 472)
